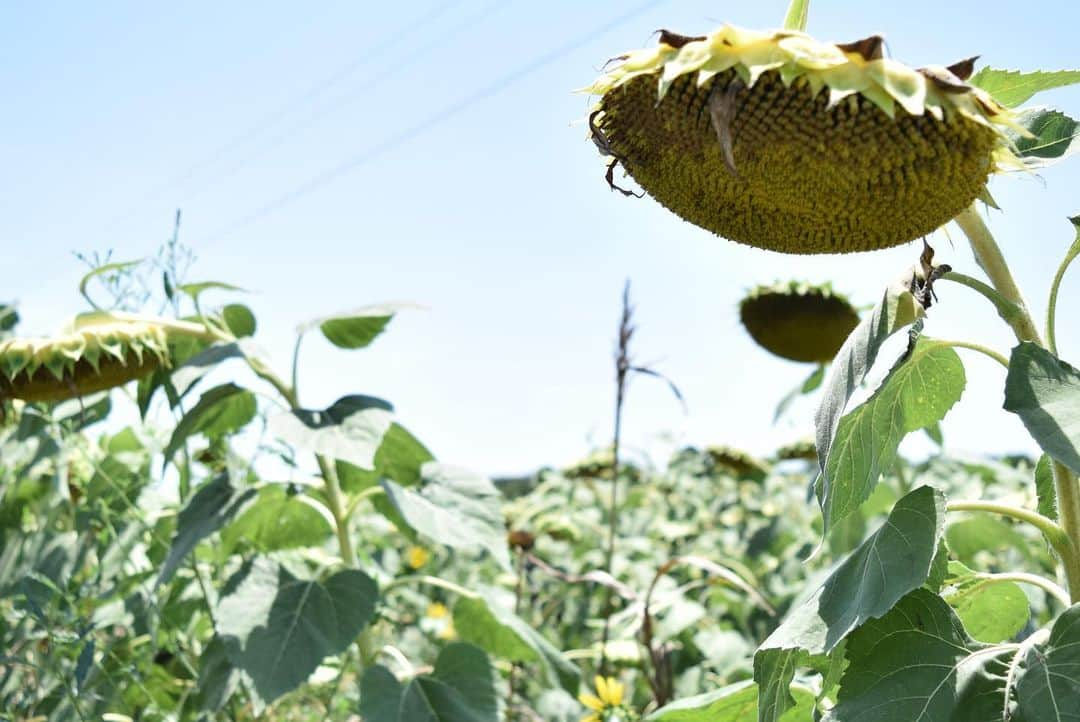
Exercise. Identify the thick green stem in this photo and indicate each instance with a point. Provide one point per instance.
(1054, 534)
(1051, 306)
(990, 258)
(1068, 501)
(798, 11)
(988, 352)
(1024, 578)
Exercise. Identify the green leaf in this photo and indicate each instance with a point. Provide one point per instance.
(9, 317)
(194, 290)
(461, 689)
(503, 634)
(278, 628)
(222, 410)
(454, 507)
(380, 695)
(894, 560)
(239, 320)
(967, 538)
(277, 520)
(916, 663)
(108, 268)
(734, 703)
(1044, 392)
(1013, 87)
(1053, 136)
(351, 429)
(400, 457)
(919, 390)
(853, 361)
(1048, 681)
(212, 506)
(358, 328)
(992, 611)
(797, 14)
(1044, 487)
(217, 677)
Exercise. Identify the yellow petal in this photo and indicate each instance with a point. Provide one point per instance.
(591, 701)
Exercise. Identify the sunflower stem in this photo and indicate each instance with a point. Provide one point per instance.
(992, 261)
(1051, 306)
(797, 14)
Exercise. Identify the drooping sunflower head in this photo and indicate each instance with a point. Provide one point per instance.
(798, 321)
(736, 462)
(780, 141)
(803, 450)
(94, 352)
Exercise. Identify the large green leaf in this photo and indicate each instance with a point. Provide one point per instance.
(400, 457)
(734, 703)
(1044, 487)
(1044, 392)
(221, 410)
(853, 361)
(502, 633)
(217, 677)
(461, 688)
(916, 663)
(1048, 680)
(1013, 87)
(1053, 136)
(991, 610)
(278, 628)
(277, 520)
(358, 328)
(212, 506)
(919, 390)
(894, 560)
(454, 507)
(351, 429)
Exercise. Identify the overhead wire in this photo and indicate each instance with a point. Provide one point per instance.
(404, 136)
(268, 121)
(397, 65)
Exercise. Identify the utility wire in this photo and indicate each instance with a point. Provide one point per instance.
(389, 40)
(398, 139)
(408, 59)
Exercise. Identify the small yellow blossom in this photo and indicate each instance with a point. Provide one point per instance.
(609, 696)
(417, 557)
(437, 610)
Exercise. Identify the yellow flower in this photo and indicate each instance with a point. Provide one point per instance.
(417, 557)
(609, 695)
(437, 610)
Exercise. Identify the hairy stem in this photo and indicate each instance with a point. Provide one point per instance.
(990, 259)
(989, 256)
(1054, 534)
(1024, 578)
(1051, 306)
(985, 351)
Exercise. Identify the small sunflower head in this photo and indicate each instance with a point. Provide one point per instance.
(804, 450)
(607, 704)
(783, 142)
(97, 351)
(598, 465)
(417, 556)
(798, 321)
(739, 464)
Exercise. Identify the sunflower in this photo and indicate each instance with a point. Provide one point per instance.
(783, 142)
(95, 352)
(798, 321)
(607, 704)
(739, 464)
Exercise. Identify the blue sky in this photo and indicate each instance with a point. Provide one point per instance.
(329, 155)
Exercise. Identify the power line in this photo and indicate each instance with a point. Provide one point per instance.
(409, 58)
(403, 137)
(268, 121)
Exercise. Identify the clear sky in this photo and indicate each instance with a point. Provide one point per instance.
(333, 154)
